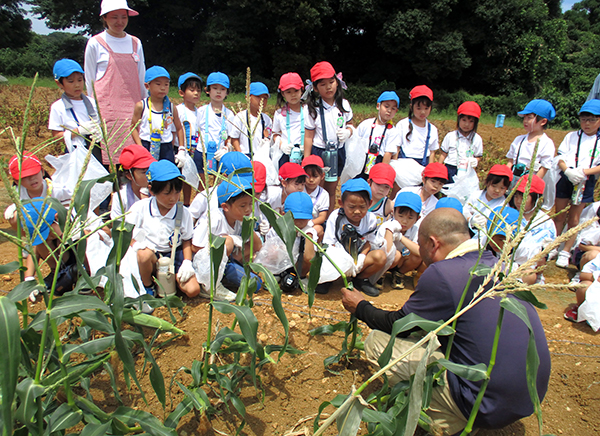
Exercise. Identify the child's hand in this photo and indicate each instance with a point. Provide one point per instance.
(286, 148)
(180, 158)
(220, 153)
(186, 271)
(575, 175)
(344, 134)
(263, 227)
(9, 213)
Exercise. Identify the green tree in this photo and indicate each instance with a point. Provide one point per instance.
(15, 29)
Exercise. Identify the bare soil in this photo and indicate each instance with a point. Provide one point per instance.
(291, 391)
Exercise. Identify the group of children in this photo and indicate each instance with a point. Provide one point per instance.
(377, 220)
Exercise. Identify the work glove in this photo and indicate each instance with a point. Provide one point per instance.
(186, 271)
(310, 231)
(33, 294)
(220, 153)
(472, 162)
(479, 221)
(575, 175)
(360, 263)
(90, 128)
(394, 227)
(180, 158)
(263, 227)
(9, 213)
(286, 147)
(237, 241)
(343, 134)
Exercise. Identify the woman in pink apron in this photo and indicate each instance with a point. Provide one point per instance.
(114, 65)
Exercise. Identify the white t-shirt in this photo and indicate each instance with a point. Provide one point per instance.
(185, 114)
(427, 206)
(567, 150)
(62, 119)
(379, 211)
(391, 140)
(296, 120)
(334, 120)
(257, 126)
(478, 201)
(320, 199)
(199, 204)
(127, 196)
(156, 229)
(545, 153)
(414, 146)
(367, 227)
(165, 124)
(459, 147)
(96, 59)
(219, 227)
(592, 267)
(274, 194)
(59, 192)
(217, 123)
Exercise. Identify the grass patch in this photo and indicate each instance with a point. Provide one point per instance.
(42, 82)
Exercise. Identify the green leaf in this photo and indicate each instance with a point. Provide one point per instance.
(97, 321)
(222, 335)
(10, 344)
(28, 391)
(350, 417)
(192, 394)
(216, 252)
(182, 409)
(113, 381)
(376, 416)
(238, 404)
(136, 318)
(23, 289)
(68, 305)
(121, 235)
(530, 298)
(90, 347)
(322, 407)
(64, 417)
(9, 267)
(156, 378)
(481, 270)
(246, 319)
(147, 421)
(247, 228)
(470, 372)
(313, 276)
(95, 429)
(329, 329)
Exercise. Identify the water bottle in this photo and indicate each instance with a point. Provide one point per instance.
(155, 140)
(296, 155)
(165, 278)
(330, 160)
(371, 157)
(578, 193)
(211, 148)
(500, 120)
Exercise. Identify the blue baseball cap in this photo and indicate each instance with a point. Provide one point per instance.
(300, 204)
(409, 199)
(449, 202)
(542, 108)
(509, 216)
(66, 67)
(155, 72)
(185, 77)
(389, 96)
(228, 189)
(591, 107)
(32, 212)
(162, 171)
(234, 160)
(356, 185)
(217, 78)
(259, 88)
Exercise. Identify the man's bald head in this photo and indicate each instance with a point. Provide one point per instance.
(446, 225)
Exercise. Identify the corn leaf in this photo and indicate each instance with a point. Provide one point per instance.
(121, 234)
(216, 252)
(147, 421)
(246, 319)
(194, 397)
(156, 377)
(530, 298)
(224, 334)
(238, 404)
(28, 391)
(97, 321)
(113, 381)
(95, 429)
(329, 329)
(313, 276)
(9, 267)
(88, 348)
(23, 289)
(470, 372)
(182, 409)
(10, 340)
(64, 417)
(350, 418)
(72, 304)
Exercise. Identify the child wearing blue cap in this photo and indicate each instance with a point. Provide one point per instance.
(579, 162)
(73, 117)
(235, 203)
(190, 87)
(155, 219)
(383, 137)
(216, 122)
(354, 228)
(536, 116)
(255, 124)
(157, 117)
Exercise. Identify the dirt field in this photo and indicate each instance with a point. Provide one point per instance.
(295, 387)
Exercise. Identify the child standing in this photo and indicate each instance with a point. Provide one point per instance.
(74, 112)
(288, 121)
(157, 117)
(154, 219)
(381, 180)
(536, 116)
(463, 148)
(384, 138)
(252, 124)
(435, 176)
(328, 125)
(313, 166)
(190, 87)
(579, 161)
(418, 137)
(216, 121)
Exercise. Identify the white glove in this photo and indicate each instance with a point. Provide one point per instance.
(186, 271)
(220, 153)
(263, 227)
(276, 141)
(104, 237)
(180, 158)
(266, 142)
(393, 226)
(479, 221)
(237, 241)
(472, 162)
(360, 263)
(90, 128)
(139, 245)
(33, 294)
(344, 134)
(9, 213)
(575, 175)
(310, 231)
(286, 148)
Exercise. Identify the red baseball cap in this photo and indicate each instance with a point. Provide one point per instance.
(30, 165)
(469, 108)
(421, 91)
(501, 170)
(437, 170)
(291, 170)
(313, 159)
(383, 174)
(260, 176)
(537, 185)
(289, 81)
(321, 70)
(135, 156)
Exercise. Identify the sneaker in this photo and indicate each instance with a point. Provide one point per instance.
(365, 286)
(571, 314)
(145, 308)
(553, 253)
(575, 280)
(562, 261)
(322, 288)
(149, 290)
(398, 280)
(221, 293)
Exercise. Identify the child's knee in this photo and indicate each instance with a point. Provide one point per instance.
(378, 257)
(146, 255)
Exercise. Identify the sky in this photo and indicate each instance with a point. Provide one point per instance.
(38, 26)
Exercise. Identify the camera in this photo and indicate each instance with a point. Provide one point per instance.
(519, 169)
(350, 239)
(289, 280)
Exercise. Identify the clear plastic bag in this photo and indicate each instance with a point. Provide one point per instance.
(551, 179)
(273, 255)
(190, 172)
(356, 153)
(408, 172)
(342, 259)
(463, 186)
(202, 264)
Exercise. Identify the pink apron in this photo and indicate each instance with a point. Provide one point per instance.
(118, 91)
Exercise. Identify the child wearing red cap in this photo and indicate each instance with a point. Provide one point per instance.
(435, 176)
(313, 166)
(463, 147)
(329, 121)
(289, 120)
(419, 138)
(381, 180)
(292, 177)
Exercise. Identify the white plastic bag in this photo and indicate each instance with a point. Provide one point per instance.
(276, 154)
(463, 186)
(130, 271)
(190, 172)
(408, 172)
(589, 310)
(356, 153)
(342, 259)
(97, 251)
(273, 255)
(551, 179)
(261, 154)
(201, 263)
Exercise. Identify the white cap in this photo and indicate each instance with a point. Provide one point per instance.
(115, 5)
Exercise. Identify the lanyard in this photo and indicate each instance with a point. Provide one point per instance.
(593, 151)
(250, 137)
(377, 205)
(287, 124)
(469, 151)
(162, 119)
(424, 160)
(206, 126)
(385, 127)
(519, 151)
(323, 126)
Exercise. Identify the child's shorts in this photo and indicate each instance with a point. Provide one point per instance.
(232, 277)
(341, 152)
(199, 160)
(452, 170)
(178, 256)
(166, 150)
(564, 188)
